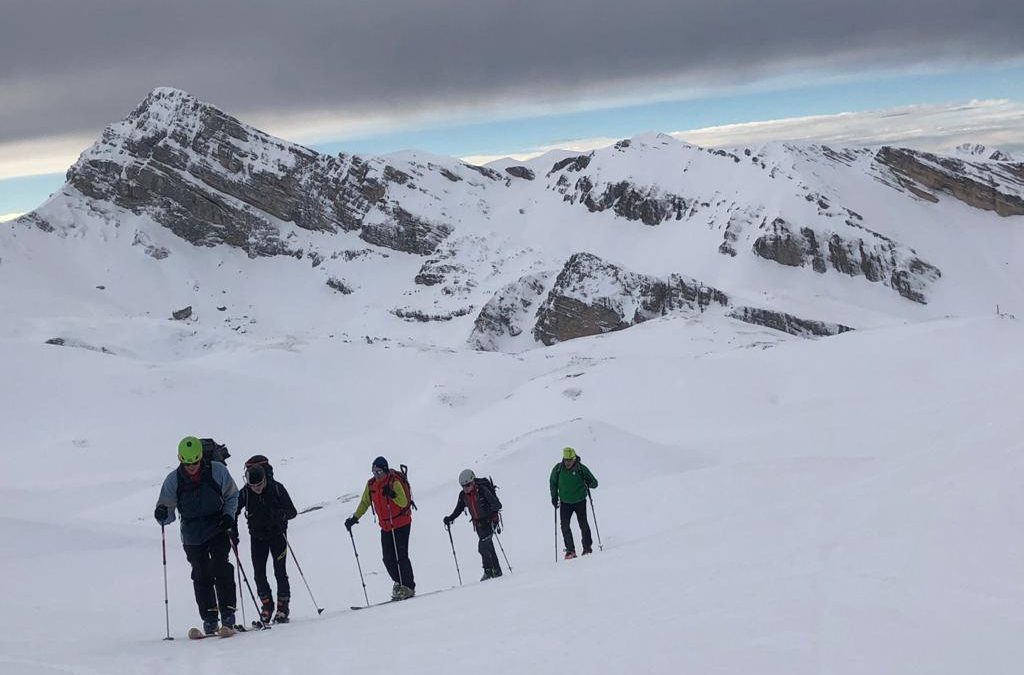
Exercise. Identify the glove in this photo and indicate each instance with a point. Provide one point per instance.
(160, 513)
(233, 535)
(350, 521)
(227, 523)
(447, 521)
(388, 492)
(554, 502)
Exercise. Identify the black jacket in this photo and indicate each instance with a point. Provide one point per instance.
(487, 502)
(267, 513)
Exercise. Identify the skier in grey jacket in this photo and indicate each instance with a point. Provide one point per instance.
(206, 497)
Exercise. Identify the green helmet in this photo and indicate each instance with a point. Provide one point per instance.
(190, 450)
(568, 453)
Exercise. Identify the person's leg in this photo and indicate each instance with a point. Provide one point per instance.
(488, 555)
(404, 564)
(565, 512)
(581, 518)
(387, 545)
(223, 576)
(279, 549)
(260, 549)
(202, 581)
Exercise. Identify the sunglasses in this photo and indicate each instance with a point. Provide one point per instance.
(377, 471)
(192, 463)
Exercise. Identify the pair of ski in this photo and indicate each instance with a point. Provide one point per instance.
(195, 633)
(392, 602)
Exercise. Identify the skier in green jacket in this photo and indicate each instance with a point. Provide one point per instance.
(571, 482)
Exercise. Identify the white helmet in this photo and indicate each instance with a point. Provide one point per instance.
(466, 477)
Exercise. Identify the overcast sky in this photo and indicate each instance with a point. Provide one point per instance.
(320, 70)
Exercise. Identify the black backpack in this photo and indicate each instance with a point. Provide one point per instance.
(488, 482)
(214, 451)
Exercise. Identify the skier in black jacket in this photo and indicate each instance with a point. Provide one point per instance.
(268, 508)
(477, 495)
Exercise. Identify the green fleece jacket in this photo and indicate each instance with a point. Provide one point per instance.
(570, 485)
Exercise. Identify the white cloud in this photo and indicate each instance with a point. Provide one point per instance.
(4, 217)
(997, 123)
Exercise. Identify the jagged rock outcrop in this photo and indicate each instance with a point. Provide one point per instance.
(649, 205)
(992, 186)
(509, 313)
(787, 323)
(592, 296)
(874, 256)
(406, 233)
(339, 285)
(520, 172)
(410, 314)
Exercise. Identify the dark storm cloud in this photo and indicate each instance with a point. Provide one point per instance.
(75, 65)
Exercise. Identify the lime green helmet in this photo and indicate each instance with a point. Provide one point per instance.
(190, 450)
(568, 453)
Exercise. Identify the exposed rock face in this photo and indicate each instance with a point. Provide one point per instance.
(509, 313)
(520, 172)
(873, 256)
(213, 180)
(592, 296)
(649, 205)
(787, 323)
(996, 186)
(406, 233)
(409, 314)
(182, 314)
(339, 285)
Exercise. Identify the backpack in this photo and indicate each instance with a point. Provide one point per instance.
(260, 460)
(489, 483)
(214, 451)
(402, 477)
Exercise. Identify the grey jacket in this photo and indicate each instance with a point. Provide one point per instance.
(201, 506)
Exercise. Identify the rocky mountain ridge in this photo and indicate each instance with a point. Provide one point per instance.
(538, 253)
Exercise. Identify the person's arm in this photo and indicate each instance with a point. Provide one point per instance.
(588, 478)
(169, 497)
(228, 489)
(554, 482)
(460, 506)
(241, 501)
(364, 503)
(286, 504)
(400, 498)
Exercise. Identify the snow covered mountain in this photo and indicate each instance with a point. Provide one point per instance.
(770, 502)
(488, 255)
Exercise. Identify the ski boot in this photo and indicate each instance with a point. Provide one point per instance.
(395, 591)
(404, 593)
(282, 609)
(487, 575)
(587, 550)
(266, 609)
(495, 572)
(210, 627)
(227, 622)
(569, 555)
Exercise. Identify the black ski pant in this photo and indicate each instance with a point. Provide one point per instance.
(398, 566)
(580, 509)
(488, 555)
(211, 570)
(277, 546)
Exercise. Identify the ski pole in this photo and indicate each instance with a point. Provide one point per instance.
(457, 570)
(597, 529)
(360, 567)
(238, 559)
(502, 552)
(319, 609)
(241, 605)
(394, 540)
(167, 607)
(556, 533)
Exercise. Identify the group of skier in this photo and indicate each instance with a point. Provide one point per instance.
(208, 502)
